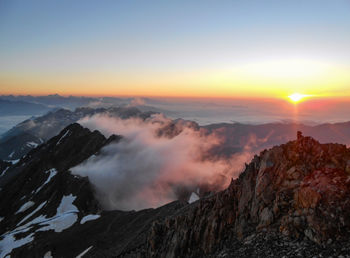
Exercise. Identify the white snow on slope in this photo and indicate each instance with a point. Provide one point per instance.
(88, 218)
(48, 255)
(65, 217)
(194, 197)
(67, 205)
(59, 223)
(32, 144)
(8, 240)
(25, 207)
(65, 134)
(10, 156)
(13, 161)
(32, 213)
(1, 219)
(8, 243)
(84, 252)
(52, 172)
(3, 172)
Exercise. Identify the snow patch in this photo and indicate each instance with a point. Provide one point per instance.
(13, 161)
(32, 144)
(88, 218)
(10, 156)
(65, 217)
(1, 219)
(84, 252)
(59, 223)
(25, 207)
(52, 172)
(32, 213)
(194, 197)
(65, 134)
(3, 172)
(9, 242)
(48, 255)
(67, 205)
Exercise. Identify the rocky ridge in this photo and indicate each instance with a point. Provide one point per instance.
(299, 191)
(39, 198)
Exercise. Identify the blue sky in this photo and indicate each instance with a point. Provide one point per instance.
(158, 38)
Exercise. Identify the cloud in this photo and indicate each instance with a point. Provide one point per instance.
(157, 161)
(137, 102)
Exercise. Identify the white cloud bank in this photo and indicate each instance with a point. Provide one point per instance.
(156, 162)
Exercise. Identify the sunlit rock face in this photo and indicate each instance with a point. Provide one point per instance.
(299, 190)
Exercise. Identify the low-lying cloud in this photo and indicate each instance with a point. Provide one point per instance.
(157, 161)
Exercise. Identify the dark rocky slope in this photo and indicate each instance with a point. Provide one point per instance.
(39, 191)
(4, 165)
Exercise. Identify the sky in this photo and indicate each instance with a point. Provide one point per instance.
(249, 49)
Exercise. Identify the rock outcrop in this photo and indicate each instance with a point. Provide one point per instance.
(299, 190)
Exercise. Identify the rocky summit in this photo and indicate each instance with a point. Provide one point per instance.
(290, 201)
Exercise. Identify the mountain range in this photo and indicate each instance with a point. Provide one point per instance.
(235, 137)
(26, 135)
(290, 200)
(12, 108)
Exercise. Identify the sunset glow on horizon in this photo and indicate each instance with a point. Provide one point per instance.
(175, 49)
(297, 97)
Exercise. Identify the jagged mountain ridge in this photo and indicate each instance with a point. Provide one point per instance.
(278, 205)
(39, 185)
(299, 190)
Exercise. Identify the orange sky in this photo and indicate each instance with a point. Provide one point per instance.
(259, 79)
(176, 49)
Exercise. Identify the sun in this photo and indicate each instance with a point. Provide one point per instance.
(297, 97)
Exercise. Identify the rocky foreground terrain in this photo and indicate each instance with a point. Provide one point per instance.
(290, 201)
